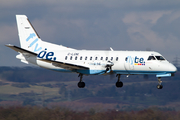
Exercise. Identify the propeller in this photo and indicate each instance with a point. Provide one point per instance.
(109, 69)
(109, 64)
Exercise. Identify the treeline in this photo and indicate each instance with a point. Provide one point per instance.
(146, 94)
(37, 75)
(38, 113)
(135, 93)
(33, 75)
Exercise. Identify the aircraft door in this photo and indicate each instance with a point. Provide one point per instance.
(129, 63)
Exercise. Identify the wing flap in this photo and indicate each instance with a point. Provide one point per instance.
(64, 65)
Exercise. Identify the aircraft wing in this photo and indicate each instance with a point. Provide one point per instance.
(64, 65)
(21, 50)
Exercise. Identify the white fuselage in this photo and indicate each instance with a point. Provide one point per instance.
(125, 62)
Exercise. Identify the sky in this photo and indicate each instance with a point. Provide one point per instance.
(95, 24)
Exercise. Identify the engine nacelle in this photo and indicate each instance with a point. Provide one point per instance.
(109, 64)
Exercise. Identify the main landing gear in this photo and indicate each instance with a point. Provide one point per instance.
(119, 83)
(159, 86)
(81, 84)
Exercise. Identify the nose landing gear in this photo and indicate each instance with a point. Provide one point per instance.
(159, 86)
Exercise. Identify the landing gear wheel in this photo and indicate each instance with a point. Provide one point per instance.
(159, 86)
(81, 84)
(119, 84)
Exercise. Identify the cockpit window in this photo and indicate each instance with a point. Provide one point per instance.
(159, 58)
(151, 58)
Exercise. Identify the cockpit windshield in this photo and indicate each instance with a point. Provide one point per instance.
(159, 58)
(156, 57)
(151, 58)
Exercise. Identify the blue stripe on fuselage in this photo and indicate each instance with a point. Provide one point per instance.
(98, 72)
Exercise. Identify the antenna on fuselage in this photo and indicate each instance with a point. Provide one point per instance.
(111, 49)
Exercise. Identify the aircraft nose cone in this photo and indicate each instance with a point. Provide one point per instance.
(172, 68)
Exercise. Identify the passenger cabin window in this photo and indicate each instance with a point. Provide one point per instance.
(86, 58)
(151, 58)
(66, 58)
(111, 58)
(71, 58)
(76, 58)
(106, 58)
(90, 58)
(116, 58)
(159, 58)
(96, 58)
(101, 58)
(81, 58)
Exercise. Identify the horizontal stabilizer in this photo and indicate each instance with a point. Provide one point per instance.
(64, 65)
(21, 50)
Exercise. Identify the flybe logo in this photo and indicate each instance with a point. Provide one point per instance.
(135, 60)
(33, 42)
(47, 55)
(139, 61)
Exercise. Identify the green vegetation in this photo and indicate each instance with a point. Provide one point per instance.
(59, 113)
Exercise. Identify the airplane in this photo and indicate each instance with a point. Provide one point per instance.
(87, 62)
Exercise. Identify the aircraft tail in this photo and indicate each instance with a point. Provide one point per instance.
(29, 39)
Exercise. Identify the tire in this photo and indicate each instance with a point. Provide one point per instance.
(81, 84)
(119, 84)
(159, 86)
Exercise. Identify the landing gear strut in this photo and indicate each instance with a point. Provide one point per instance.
(159, 86)
(80, 83)
(119, 83)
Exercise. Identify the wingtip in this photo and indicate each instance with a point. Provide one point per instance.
(9, 45)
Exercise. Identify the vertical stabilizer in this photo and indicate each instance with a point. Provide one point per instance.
(29, 39)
